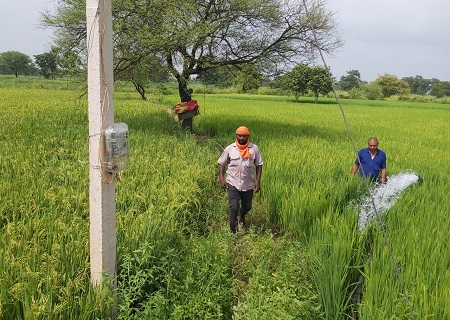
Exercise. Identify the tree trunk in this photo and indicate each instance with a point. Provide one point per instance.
(185, 93)
(140, 89)
(185, 96)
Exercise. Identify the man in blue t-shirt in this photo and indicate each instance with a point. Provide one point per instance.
(371, 162)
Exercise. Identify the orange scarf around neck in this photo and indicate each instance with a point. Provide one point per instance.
(243, 149)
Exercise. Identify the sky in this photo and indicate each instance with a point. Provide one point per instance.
(404, 38)
(20, 26)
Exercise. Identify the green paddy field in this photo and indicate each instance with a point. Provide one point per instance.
(302, 254)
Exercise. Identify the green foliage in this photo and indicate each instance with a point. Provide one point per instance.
(14, 62)
(418, 84)
(247, 79)
(194, 36)
(149, 69)
(358, 92)
(47, 64)
(69, 63)
(372, 91)
(35, 82)
(350, 81)
(220, 77)
(320, 81)
(176, 278)
(270, 91)
(338, 248)
(420, 98)
(273, 280)
(304, 78)
(440, 89)
(301, 255)
(296, 81)
(391, 85)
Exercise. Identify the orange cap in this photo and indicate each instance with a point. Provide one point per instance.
(243, 131)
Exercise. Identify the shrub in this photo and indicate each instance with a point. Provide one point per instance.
(372, 91)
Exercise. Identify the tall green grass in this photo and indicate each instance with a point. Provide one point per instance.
(302, 254)
(306, 181)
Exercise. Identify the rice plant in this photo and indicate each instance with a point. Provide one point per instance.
(303, 255)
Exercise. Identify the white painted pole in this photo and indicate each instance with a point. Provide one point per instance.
(102, 203)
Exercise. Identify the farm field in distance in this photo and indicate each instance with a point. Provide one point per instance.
(302, 254)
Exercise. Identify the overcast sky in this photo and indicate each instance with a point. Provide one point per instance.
(399, 37)
(19, 25)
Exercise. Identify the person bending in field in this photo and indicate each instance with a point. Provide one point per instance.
(243, 160)
(371, 162)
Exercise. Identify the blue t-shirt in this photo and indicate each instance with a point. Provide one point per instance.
(371, 167)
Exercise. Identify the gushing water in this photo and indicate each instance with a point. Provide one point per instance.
(384, 197)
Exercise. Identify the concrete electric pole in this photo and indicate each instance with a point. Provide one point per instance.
(102, 203)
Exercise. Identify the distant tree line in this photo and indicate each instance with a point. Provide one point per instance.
(300, 80)
(205, 40)
(388, 85)
(50, 65)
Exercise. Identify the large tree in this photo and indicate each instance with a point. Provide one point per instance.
(15, 62)
(296, 80)
(47, 64)
(59, 62)
(440, 89)
(303, 78)
(320, 81)
(418, 84)
(350, 81)
(192, 36)
(391, 85)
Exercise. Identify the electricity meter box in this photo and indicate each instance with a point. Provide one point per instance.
(117, 148)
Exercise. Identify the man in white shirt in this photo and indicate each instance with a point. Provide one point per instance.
(243, 175)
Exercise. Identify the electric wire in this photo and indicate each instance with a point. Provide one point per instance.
(105, 99)
(355, 149)
(106, 96)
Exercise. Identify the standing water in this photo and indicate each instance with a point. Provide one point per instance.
(384, 197)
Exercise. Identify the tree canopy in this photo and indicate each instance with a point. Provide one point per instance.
(15, 62)
(191, 36)
(303, 78)
(296, 80)
(58, 62)
(440, 89)
(47, 64)
(392, 85)
(350, 81)
(320, 82)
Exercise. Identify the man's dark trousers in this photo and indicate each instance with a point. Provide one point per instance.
(234, 197)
